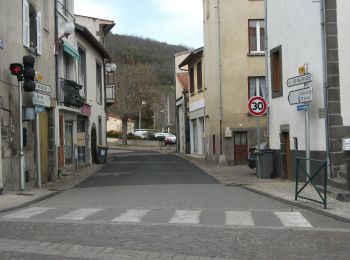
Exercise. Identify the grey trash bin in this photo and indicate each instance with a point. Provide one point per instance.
(264, 163)
(101, 154)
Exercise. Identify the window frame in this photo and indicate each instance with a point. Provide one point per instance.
(276, 91)
(266, 88)
(258, 37)
(199, 76)
(191, 75)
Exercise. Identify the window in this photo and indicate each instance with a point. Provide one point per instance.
(31, 28)
(82, 71)
(256, 36)
(66, 65)
(199, 76)
(98, 83)
(257, 87)
(191, 80)
(276, 72)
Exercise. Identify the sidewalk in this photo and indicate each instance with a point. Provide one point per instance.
(17, 199)
(280, 189)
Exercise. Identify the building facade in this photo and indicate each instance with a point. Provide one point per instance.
(324, 51)
(32, 34)
(234, 71)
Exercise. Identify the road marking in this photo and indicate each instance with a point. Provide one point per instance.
(186, 217)
(79, 214)
(293, 219)
(239, 218)
(132, 215)
(27, 213)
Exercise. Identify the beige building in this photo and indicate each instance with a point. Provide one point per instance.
(114, 124)
(234, 71)
(30, 32)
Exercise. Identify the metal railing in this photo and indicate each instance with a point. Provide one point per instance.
(67, 89)
(310, 179)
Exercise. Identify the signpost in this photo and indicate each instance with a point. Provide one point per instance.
(41, 99)
(257, 107)
(302, 98)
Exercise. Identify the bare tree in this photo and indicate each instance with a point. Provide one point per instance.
(134, 83)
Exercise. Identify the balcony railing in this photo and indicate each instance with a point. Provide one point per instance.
(110, 94)
(69, 94)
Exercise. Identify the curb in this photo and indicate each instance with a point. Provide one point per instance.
(53, 193)
(244, 186)
(28, 203)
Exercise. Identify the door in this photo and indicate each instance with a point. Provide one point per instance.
(195, 136)
(44, 146)
(68, 143)
(93, 144)
(240, 148)
(287, 156)
(61, 149)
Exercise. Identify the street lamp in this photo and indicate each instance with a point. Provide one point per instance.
(140, 111)
(67, 28)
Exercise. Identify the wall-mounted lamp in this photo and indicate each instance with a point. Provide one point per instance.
(67, 28)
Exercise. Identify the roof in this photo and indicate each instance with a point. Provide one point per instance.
(183, 79)
(106, 24)
(194, 55)
(92, 40)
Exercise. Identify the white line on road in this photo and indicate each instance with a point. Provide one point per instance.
(293, 219)
(132, 215)
(186, 217)
(239, 218)
(79, 214)
(27, 213)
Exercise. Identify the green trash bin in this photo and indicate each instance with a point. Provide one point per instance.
(101, 154)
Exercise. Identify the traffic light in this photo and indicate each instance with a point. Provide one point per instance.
(28, 73)
(17, 70)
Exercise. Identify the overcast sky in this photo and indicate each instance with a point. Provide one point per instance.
(171, 21)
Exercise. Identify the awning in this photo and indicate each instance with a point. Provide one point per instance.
(71, 51)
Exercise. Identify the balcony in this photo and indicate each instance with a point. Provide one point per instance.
(110, 94)
(70, 94)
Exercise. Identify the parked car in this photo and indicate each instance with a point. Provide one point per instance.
(252, 149)
(145, 134)
(167, 137)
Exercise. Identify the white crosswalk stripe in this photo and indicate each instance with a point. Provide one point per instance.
(132, 215)
(293, 219)
(27, 213)
(79, 214)
(232, 218)
(239, 218)
(186, 217)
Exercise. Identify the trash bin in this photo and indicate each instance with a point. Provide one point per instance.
(101, 154)
(264, 163)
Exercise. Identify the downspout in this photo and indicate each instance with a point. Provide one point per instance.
(267, 73)
(57, 91)
(325, 84)
(220, 75)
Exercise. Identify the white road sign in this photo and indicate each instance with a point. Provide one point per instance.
(300, 96)
(41, 100)
(43, 88)
(299, 80)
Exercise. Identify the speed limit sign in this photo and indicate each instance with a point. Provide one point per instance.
(257, 106)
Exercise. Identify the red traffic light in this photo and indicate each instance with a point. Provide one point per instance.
(16, 69)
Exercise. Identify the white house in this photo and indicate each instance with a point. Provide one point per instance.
(295, 39)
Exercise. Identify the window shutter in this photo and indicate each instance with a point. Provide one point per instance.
(26, 24)
(39, 43)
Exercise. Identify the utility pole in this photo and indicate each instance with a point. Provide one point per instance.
(21, 153)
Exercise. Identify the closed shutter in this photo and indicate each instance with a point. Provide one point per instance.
(26, 24)
(38, 34)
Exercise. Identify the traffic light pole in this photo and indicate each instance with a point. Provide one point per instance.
(21, 155)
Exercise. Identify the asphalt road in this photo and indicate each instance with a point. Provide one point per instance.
(146, 205)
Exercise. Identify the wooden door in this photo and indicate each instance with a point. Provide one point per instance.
(44, 146)
(61, 149)
(93, 145)
(288, 157)
(240, 148)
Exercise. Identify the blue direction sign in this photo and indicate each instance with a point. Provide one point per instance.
(303, 107)
(39, 109)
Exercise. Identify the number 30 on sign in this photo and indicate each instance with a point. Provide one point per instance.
(257, 106)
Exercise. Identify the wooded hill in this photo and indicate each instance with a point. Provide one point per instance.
(134, 50)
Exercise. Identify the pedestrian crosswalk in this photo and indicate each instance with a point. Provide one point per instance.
(247, 218)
